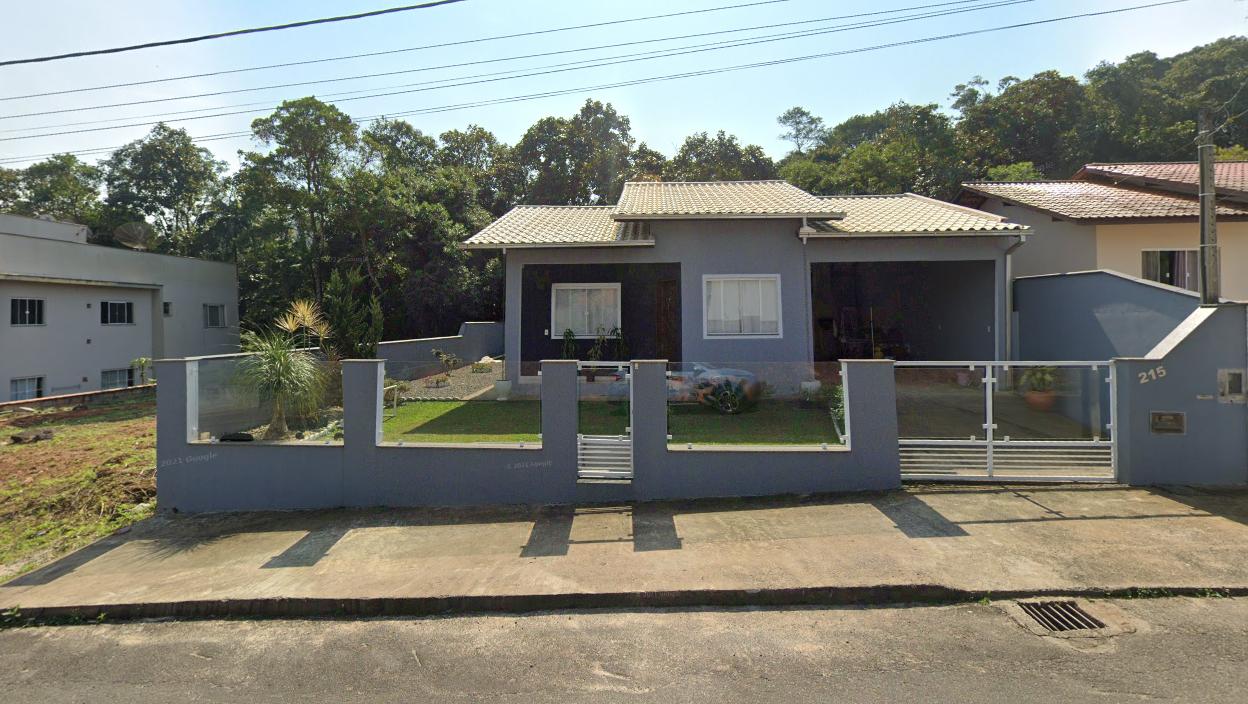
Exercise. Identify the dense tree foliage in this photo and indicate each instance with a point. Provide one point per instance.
(385, 208)
(1144, 108)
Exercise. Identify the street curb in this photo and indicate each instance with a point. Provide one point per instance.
(283, 607)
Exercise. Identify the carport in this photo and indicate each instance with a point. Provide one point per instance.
(903, 310)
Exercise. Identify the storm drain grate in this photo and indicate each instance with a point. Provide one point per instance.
(1060, 615)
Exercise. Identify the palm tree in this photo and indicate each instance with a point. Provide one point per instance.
(279, 370)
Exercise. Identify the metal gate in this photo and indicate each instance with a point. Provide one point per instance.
(1023, 421)
(604, 401)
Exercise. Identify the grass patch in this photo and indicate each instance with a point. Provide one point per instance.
(95, 475)
(767, 423)
(468, 422)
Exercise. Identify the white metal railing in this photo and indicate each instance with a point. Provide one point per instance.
(989, 453)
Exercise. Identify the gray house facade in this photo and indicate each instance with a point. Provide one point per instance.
(744, 273)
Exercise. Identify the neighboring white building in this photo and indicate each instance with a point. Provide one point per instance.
(75, 314)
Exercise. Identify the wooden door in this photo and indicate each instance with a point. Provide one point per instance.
(667, 320)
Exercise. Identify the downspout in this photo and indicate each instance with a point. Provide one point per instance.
(1009, 297)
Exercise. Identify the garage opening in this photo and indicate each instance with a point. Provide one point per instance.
(903, 310)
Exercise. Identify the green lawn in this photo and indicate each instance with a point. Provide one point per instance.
(769, 423)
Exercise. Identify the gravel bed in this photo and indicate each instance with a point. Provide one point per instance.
(464, 383)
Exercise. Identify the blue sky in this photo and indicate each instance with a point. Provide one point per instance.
(744, 103)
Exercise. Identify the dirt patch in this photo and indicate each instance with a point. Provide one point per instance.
(96, 474)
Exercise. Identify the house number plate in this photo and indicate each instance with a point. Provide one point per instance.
(1157, 372)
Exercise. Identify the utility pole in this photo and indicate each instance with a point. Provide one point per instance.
(1210, 267)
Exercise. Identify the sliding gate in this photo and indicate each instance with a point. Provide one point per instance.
(1032, 421)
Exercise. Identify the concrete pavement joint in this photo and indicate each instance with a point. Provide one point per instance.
(271, 608)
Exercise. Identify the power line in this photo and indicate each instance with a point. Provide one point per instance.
(395, 51)
(364, 76)
(232, 33)
(676, 76)
(535, 71)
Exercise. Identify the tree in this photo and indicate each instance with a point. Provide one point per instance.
(278, 370)
(576, 161)
(718, 158)
(646, 164)
(62, 187)
(804, 129)
(163, 177)
(1235, 152)
(10, 189)
(1021, 171)
(1048, 119)
(397, 144)
(353, 315)
(310, 143)
(904, 148)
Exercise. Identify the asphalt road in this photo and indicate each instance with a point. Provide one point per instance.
(1190, 650)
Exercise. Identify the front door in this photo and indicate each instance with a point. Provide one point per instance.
(667, 320)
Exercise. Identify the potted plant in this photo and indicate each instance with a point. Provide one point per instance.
(596, 352)
(1039, 382)
(569, 344)
(619, 348)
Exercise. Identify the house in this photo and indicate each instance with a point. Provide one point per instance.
(1139, 219)
(750, 272)
(78, 313)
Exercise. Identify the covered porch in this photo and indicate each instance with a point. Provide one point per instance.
(904, 310)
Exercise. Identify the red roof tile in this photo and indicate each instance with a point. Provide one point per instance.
(1092, 200)
(1230, 178)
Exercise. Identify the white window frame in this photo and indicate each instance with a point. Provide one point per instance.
(43, 312)
(619, 308)
(105, 304)
(129, 378)
(224, 318)
(39, 391)
(1192, 251)
(779, 334)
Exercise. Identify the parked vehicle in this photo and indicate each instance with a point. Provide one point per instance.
(725, 390)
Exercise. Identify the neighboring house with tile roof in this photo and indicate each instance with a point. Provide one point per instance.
(1140, 219)
(747, 273)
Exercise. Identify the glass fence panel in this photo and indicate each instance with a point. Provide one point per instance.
(945, 403)
(248, 398)
(1051, 403)
(603, 395)
(754, 403)
(449, 400)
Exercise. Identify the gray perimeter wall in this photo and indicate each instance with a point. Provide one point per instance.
(1214, 450)
(416, 358)
(363, 471)
(1094, 315)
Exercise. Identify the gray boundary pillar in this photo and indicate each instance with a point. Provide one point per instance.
(871, 414)
(648, 418)
(560, 414)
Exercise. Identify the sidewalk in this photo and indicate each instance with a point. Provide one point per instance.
(973, 539)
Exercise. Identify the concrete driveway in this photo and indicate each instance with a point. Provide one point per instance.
(973, 538)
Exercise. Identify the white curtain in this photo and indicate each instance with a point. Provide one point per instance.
(585, 311)
(742, 306)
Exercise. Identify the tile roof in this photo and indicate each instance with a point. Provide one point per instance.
(910, 214)
(1092, 200)
(1229, 177)
(651, 200)
(560, 225)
